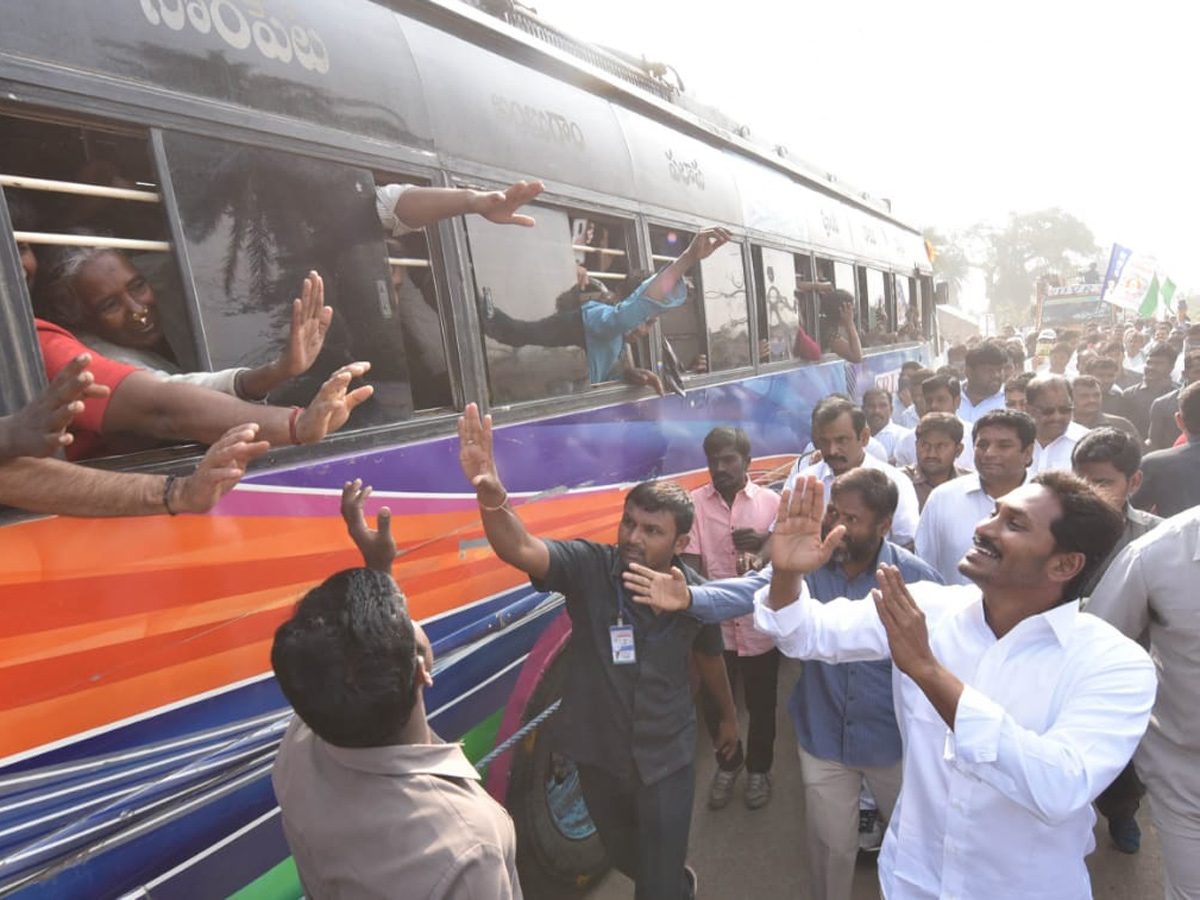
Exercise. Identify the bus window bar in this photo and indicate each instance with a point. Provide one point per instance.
(658, 257)
(405, 261)
(603, 251)
(607, 276)
(75, 187)
(89, 240)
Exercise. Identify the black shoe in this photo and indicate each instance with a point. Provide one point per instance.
(1125, 834)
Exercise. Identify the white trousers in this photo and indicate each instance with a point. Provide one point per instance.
(831, 792)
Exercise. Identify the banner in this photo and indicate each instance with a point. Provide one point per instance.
(1128, 278)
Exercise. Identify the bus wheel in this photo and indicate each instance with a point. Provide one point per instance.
(558, 850)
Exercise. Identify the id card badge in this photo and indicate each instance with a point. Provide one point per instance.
(623, 651)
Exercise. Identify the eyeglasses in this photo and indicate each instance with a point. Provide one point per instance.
(1051, 410)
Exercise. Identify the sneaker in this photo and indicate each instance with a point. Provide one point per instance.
(758, 789)
(721, 791)
(870, 830)
(693, 883)
(1125, 834)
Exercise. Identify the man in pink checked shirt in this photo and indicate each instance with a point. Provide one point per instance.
(733, 520)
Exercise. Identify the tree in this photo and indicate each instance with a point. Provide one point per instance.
(1048, 242)
(950, 261)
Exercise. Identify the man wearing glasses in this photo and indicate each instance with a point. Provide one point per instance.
(1049, 400)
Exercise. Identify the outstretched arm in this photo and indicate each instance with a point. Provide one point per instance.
(54, 487)
(40, 427)
(702, 246)
(417, 207)
(310, 322)
(504, 529)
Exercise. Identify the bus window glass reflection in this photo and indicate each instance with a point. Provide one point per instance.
(778, 304)
(684, 326)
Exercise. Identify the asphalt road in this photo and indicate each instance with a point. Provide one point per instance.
(742, 853)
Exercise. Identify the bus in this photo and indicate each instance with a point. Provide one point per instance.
(229, 146)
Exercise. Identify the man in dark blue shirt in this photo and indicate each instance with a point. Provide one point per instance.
(627, 718)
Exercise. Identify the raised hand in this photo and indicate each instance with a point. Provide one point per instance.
(706, 241)
(221, 468)
(501, 206)
(664, 591)
(40, 427)
(796, 544)
(333, 404)
(476, 457)
(310, 322)
(908, 636)
(377, 546)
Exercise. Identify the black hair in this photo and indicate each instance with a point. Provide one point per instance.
(911, 365)
(957, 350)
(947, 423)
(1165, 350)
(1044, 382)
(1104, 362)
(1019, 382)
(1016, 356)
(726, 436)
(656, 496)
(347, 659)
(833, 407)
(21, 211)
(949, 382)
(1062, 347)
(1189, 408)
(878, 491)
(1021, 423)
(1087, 381)
(1088, 525)
(1109, 445)
(882, 392)
(986, 354)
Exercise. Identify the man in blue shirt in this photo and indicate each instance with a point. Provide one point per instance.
(843, 714)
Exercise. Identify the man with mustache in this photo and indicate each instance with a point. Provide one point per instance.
(627, 719)
(1015, 708)
(1049, 400)
(1003, 442)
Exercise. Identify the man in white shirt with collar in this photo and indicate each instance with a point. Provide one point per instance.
(941, 393)
(1016, 709)
(877, 405)
(1003, 442)
(840, 433)
(1049, 400)
(983, 390)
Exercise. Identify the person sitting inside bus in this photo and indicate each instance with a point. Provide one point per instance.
(837, 330)
(108, 304)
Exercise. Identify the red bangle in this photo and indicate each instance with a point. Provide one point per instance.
(296, 410)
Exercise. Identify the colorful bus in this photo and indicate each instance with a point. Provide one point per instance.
(227, 147)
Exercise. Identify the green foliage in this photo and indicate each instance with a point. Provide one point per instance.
(950, 261)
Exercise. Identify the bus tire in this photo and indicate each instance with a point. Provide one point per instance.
(559, 853)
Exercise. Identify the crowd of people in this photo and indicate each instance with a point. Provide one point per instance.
(972, 566)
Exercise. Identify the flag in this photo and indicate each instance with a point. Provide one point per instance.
(1150, 301)
(1167, 294)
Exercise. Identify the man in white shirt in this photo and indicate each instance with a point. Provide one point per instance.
(1016, 709)
(877, 405)
(1048, 399)
(941, 393)
(1152, 585)
(1003, 442)
(840, 433)
(983, 390)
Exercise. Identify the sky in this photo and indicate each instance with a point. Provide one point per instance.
(959, 112)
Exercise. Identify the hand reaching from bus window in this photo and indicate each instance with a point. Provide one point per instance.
(796, 543)
(333, 404)
(705, 243)
(476, 458)
(221, 468)
(306, 337)
(644, 378)
(377, 546)
(40, 427)
(664, 591)
(501, 206)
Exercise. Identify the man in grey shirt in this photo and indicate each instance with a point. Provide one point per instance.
(373, 803)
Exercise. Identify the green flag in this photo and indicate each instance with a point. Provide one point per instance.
(1150, 301)
(1167, 294)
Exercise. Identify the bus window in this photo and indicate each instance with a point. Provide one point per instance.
(876, 296)
(684, 326)
(778, 306)
(87, 213)
(424, 325)
(601, 248)
(529, 290)
(254, 222)
(907, 317)
(725, 309)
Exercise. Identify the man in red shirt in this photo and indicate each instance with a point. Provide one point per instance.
(733, 521)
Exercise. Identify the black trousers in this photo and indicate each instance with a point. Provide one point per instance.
(1121, 799)
(760, 684)
(644, 827)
